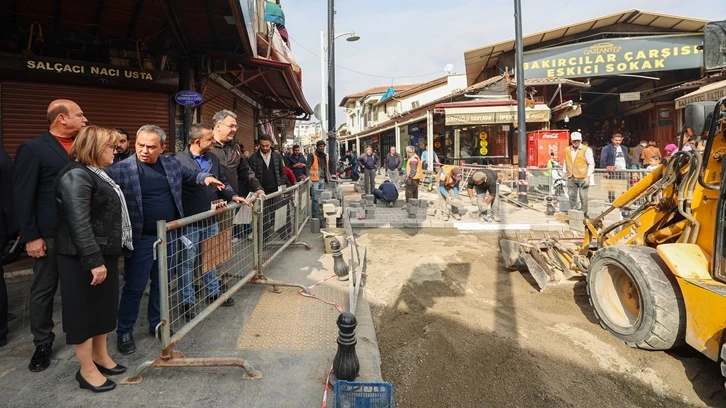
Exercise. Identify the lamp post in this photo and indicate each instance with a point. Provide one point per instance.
(332, 149)
(323, 86)
(521, 116)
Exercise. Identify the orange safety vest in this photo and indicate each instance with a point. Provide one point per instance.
(578, 167)
(314, 172)
(419, 167)
(448, 180)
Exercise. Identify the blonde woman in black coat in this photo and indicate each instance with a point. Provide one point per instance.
(93, 228)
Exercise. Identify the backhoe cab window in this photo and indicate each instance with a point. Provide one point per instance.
(698, 117)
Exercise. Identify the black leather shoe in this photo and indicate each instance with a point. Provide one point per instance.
(227, 303)
(107, 386)
(126, 344)
(41, 358)
(119, 369)
(3, 342)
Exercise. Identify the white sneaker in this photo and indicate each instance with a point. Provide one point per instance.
(236, 240)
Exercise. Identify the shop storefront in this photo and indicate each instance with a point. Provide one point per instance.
(118, 97)
(617, 73)
(485, 134)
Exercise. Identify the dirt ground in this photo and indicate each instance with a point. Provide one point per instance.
(456, 329)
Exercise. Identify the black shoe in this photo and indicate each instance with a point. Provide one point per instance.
(41, 358)
(119, 369)
(3, 342)
(189, 312)
(107, 386)
(227, 303)
(11, 317)
(126, 344)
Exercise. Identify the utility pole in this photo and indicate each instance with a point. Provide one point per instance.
(521, 115)
(331, 86)
(323, 85)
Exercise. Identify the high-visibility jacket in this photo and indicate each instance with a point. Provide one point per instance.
(576, 167)
(419, 168)
(315, 169)
(449, 181)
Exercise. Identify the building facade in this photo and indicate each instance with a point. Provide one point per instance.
(126, 74)
(618, 73)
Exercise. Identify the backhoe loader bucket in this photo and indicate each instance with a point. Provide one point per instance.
(516, 254)
(511, 253)
(548, 259)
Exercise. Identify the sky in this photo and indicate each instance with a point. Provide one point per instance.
(410, 41)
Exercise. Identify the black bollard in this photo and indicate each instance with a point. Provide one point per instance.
(339, 266)
(345, 364)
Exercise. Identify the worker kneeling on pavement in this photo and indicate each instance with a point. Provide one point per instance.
(386, 192)
(487, 197)
(449, 180)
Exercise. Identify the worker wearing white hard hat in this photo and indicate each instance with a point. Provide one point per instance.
(579, 168)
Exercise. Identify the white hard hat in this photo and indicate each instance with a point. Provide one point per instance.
(576, 136)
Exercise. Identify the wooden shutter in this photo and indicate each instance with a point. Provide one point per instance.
(24, 106)
(216, 98)
(246, 124)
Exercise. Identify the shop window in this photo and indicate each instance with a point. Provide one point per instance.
(476, 143)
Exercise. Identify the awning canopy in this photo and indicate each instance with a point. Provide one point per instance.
(711, 92)
(483, 115)
(274, 82)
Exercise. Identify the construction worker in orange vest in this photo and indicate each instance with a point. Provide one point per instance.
(579, 167)
(318, 170)
(414, 173)
(449, 179)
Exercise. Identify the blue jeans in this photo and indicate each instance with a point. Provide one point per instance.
(138, 269)
(196, 233)
(315, 188)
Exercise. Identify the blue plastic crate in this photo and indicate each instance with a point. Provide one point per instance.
(363, 395)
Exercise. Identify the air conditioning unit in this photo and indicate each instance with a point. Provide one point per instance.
(414, 104)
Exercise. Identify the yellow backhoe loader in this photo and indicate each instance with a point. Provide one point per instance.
(657, 278)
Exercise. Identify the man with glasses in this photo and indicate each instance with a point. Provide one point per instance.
(235, 167)
(579, 167)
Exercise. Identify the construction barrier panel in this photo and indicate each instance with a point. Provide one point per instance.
(206, 258)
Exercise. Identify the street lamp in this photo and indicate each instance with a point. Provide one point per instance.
(327, 104)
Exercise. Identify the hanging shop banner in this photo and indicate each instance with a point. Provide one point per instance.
(494, 114)
(615, 56)
(712, 92)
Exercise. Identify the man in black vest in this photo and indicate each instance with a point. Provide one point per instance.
(37, 163)
(268, 166)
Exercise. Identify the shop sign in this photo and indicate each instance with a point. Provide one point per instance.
(629, 96)
(87, 69)
(616, 56)
(531, 116)
(188, 98)
(702, 96)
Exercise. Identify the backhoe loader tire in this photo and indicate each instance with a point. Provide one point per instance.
(636, 298)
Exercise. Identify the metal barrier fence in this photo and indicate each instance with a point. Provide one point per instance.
(552, 182)
(206, 258)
